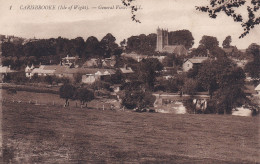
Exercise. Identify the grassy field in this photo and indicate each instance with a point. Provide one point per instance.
(46, 134)
(49, 99)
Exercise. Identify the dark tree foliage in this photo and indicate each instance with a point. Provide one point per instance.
(225, 83)
(108, 45)
(209, 42)
(122, 62)
(67, 92)
(190, 86)
(217, 52)
(168, 60)
(138, 99)
(84, 95)
(144, 44)
(181, 37)
(78, 45)
(229, 8)
(253, 67)
(200, 51)
(226, 42)
(51, 51)
(209, 47)
(117, 78)
(148, 70)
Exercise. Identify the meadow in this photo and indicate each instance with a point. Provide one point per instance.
(53, 134)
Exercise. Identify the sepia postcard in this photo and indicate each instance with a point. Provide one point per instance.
(129, 81)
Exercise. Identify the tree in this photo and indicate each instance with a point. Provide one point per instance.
(217, 52)
(228, 7)
(138, 99)
(253, 67)
(67, 92)
(228, 98)
(48, 79)
(200, 51)
(148, 69)
(226, 42)
(217, 6)
(190, 86)
(92, 45)
(181, 37)
(168, 60)
(108, 45)
(225, 83)
(117, 78)
(144, 44)
(78, 46)
(84, 95)
(209, 42)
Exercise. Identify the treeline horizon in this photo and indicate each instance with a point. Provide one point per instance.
(52, 50)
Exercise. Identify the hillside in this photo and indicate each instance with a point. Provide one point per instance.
(42, 134)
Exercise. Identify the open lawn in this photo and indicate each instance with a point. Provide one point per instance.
(47, 134)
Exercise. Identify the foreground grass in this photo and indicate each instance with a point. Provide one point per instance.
(42, 134)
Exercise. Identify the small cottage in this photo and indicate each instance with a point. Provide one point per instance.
(190, 63)
(257, 89)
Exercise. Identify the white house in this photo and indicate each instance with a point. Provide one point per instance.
(93, 75)
(190, 63)
(4, 70)
(28, 71)
(69, 60)
(257, 89)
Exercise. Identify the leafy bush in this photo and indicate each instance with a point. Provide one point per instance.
(138, 99)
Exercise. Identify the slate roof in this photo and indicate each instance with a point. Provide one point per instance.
(197, 60)
(57, 69)
(134, 56)
(174, 49)
(126, 70)
(91, 63)
(257, 87)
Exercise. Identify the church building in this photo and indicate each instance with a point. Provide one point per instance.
(162, 44)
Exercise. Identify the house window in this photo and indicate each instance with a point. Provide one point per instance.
(188, 65)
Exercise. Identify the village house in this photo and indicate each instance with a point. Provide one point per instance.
(257, 89)
(89, 75)
(104, 63)
(160, 58)
(126, 70)
(94, 74)
(91, 63)
(190, 63)
(49, 70)
(28, 71)
(4, 70)
(134, 56)
(69, 60)
(108, 62)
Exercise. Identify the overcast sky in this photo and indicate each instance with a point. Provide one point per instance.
(171, 14)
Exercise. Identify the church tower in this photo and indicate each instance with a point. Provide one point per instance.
(162, 39)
